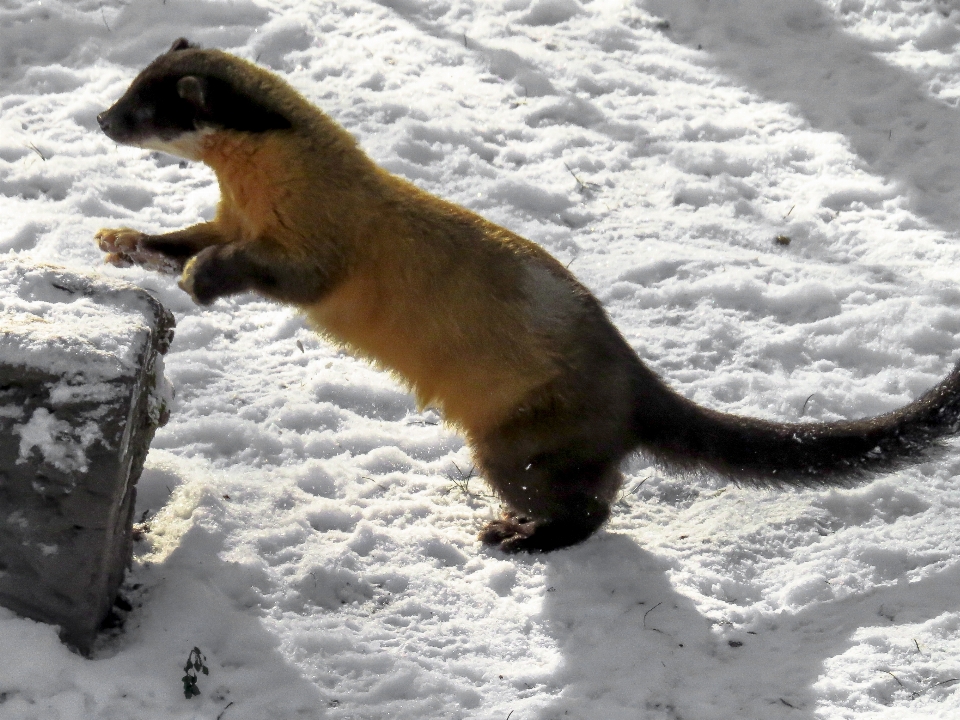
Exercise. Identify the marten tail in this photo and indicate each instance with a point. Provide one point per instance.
(686, 436)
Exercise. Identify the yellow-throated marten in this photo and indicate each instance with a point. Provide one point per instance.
(479, 322)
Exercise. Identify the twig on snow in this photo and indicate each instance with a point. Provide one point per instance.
(647, 613)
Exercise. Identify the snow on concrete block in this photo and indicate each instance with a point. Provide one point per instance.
(81, 394)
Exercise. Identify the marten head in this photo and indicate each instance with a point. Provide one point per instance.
(187, 92)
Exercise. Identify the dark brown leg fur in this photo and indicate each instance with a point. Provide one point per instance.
(555, 463)
(234, 268)
(553, 499)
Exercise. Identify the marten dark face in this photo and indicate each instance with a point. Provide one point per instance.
(170, 105)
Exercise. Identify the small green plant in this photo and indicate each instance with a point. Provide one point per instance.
(196, 663)
(461, 481)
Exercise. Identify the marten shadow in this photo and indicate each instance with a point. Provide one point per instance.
(635, 647)
(797, 53)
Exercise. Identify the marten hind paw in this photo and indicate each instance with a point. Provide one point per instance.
(512, 534)
(508, 534)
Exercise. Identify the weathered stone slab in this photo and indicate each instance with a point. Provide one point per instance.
(81, 394)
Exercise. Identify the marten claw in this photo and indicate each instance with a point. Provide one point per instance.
(119, 240)
(118, 259)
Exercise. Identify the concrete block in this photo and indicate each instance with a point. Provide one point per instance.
(81, 394)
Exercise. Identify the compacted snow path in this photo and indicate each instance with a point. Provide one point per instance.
(764, 194)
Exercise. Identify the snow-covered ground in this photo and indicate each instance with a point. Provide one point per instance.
(314, 534)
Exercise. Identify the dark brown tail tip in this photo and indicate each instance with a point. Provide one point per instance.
(181, 44)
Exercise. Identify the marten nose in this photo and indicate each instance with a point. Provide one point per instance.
(104, 121)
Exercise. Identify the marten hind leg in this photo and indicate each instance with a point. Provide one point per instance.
(552, 501)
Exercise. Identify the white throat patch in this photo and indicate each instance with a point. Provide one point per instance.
(188, 145)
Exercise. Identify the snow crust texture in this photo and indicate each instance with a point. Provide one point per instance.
(763, 193)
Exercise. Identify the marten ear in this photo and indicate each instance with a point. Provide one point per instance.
(194, 91)
(216, 103)
(180, 44)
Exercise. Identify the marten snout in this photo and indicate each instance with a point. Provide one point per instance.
(132, 124)
(127, 122)
(106, 121)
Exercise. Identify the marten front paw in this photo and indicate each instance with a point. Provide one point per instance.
(215, 272)
(125, 247)
(118, 243)
(118, 240)
(193, 283)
